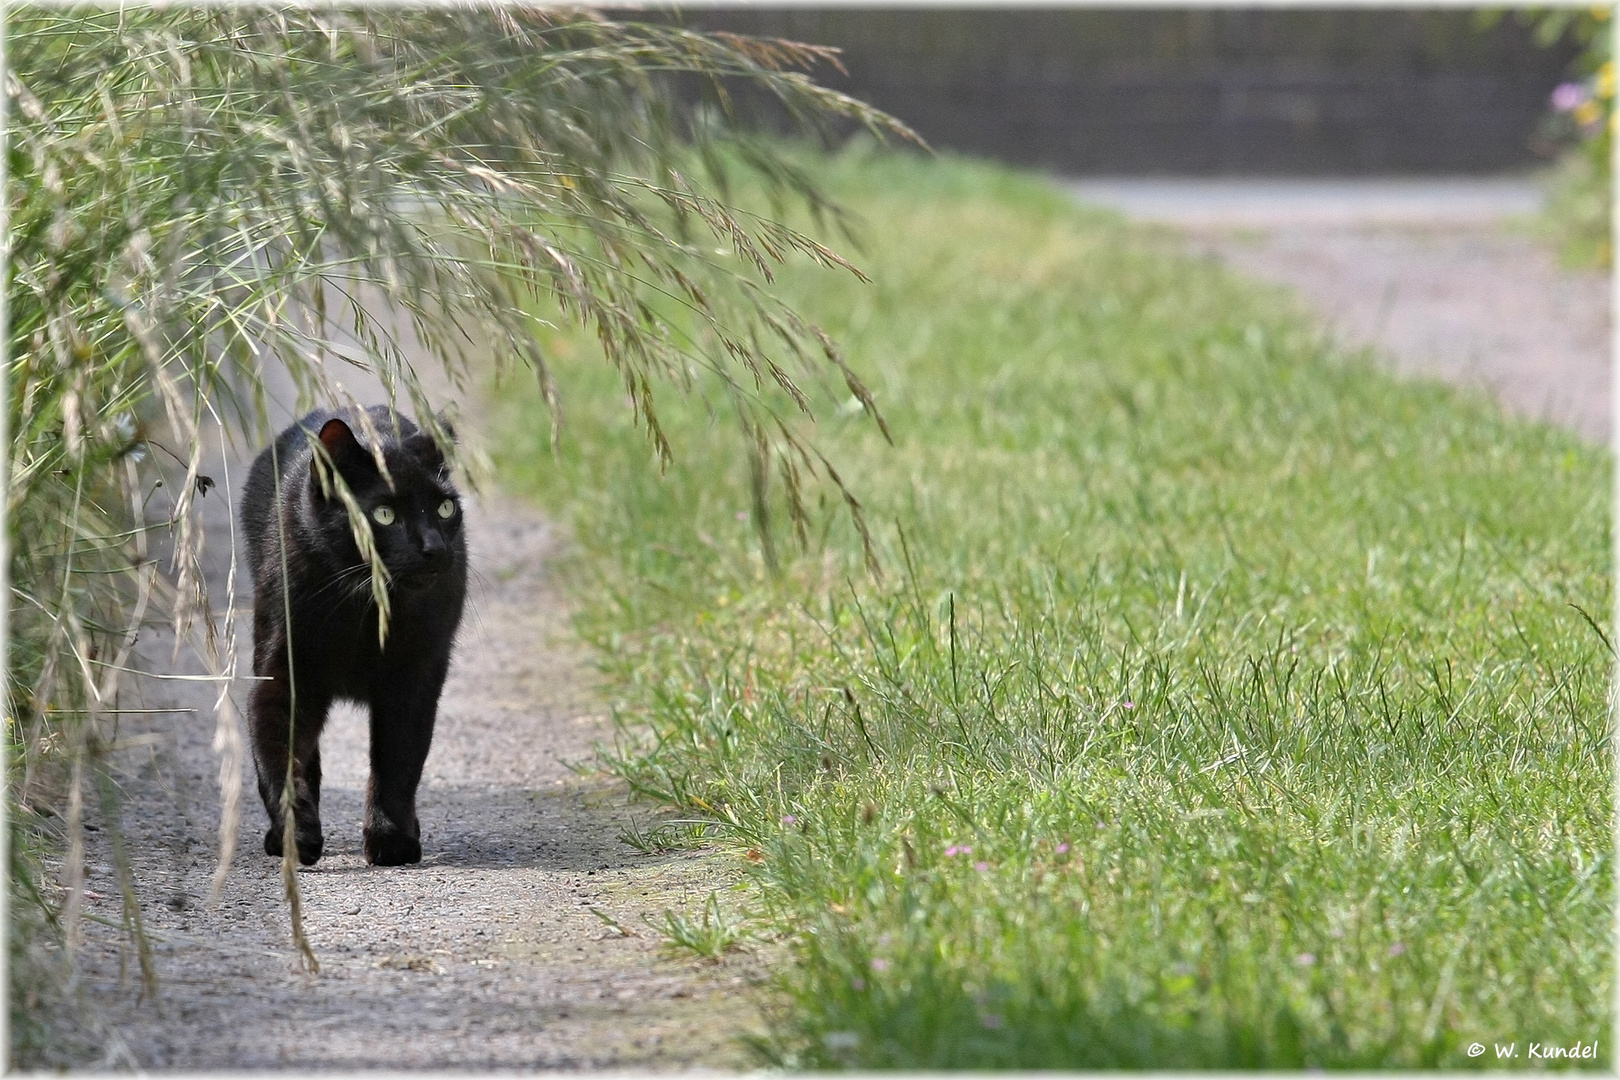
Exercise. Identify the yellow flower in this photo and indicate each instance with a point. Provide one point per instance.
(1605, 80)
(1587, 112)
(1601, 12)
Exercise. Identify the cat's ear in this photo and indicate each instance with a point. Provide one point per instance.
(447, 431)
(344, 451)
(341, 445)
(428, 450)
(445, 426)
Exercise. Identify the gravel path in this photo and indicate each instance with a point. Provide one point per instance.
(1438, 276)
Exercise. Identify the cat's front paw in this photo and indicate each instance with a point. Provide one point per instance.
(391, 847)
(310, 845)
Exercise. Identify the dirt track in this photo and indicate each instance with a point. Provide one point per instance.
(488, 954)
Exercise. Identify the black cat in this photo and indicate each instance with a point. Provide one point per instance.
(316, 640)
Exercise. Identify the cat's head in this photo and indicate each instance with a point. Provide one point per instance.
(416, 522)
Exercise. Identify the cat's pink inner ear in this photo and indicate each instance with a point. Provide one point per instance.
(338, 439)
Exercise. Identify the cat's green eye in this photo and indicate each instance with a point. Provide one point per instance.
(447, 509)
(383, 515)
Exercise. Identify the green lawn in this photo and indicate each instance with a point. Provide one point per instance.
(1224, 702)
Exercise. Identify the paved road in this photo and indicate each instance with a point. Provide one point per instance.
(1440, 276)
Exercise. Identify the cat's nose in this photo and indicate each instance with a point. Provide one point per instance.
(434, 550)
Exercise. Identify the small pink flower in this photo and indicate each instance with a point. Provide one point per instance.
(858, 983)
(1305, 959)
(1130, 704)
(880, 964)
(981, 867)
(955, 850)
(1063, 848)
(742, 515)
(1567, 96)
(1397, 949)
(788, 819)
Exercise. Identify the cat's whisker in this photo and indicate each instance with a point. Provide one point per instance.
(480, 629)
(479, 578)
(343, 578)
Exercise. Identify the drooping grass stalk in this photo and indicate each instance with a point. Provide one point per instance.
(289, 826)
(227, 729)
(200, 196)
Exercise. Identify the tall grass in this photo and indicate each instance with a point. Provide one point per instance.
(1224, 702)
(198, 195)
